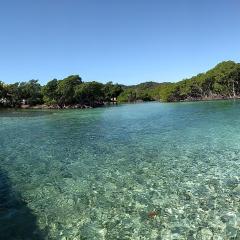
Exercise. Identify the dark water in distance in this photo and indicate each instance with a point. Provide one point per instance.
(143, 171)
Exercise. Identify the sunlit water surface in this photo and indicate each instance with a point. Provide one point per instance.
(143, 171)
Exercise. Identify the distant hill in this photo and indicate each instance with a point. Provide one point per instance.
(147, 91)
(220, 82)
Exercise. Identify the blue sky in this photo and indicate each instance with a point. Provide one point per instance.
(125, 41)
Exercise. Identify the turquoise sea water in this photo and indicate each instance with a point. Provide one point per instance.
(143, 171)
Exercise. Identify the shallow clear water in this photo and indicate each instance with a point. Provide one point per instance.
(144, 171)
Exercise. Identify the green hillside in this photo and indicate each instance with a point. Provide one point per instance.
(223, 81)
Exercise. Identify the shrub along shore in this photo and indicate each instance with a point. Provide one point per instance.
(221, 82)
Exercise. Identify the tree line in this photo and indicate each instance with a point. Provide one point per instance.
(223, 81)
(68, 92)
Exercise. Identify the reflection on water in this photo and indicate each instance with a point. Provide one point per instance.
(16, 220)
(145, 171)
(23, 113)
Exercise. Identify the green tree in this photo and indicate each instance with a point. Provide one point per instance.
(2, 90)
(3, 93)
(66, 89)
(13, 95)
(111, 91)
(49, 91)
(31, 92)
(90, 93)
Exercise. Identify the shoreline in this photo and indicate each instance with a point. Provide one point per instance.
(82, 107)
